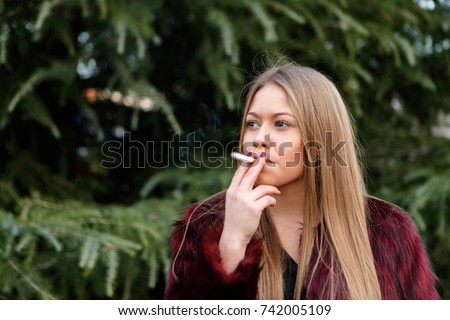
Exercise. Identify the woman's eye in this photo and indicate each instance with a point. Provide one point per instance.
(251, 124)
(282, 124)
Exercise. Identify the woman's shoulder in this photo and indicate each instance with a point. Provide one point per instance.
(203, 214)
(196, 220)
(215, 205)
(381, 213)
(388, 223)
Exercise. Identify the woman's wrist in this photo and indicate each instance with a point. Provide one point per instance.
(232, 251)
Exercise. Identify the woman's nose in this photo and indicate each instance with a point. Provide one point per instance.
(262, 140)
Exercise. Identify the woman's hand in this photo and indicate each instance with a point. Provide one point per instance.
(244, 205)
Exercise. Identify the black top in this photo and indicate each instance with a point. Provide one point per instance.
(289, 277)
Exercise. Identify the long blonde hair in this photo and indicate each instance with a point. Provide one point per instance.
(334, 212)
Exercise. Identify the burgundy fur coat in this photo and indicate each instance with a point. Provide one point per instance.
(402, 265)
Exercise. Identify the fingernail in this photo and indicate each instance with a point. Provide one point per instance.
(263, 154)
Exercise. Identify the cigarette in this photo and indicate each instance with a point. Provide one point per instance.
(239, 156)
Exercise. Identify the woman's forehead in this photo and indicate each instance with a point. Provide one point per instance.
(270, 99)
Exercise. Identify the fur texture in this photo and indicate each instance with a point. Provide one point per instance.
(402, 265)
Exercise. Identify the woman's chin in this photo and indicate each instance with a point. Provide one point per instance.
(268, 181)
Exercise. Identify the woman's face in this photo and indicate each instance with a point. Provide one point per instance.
(270, 127)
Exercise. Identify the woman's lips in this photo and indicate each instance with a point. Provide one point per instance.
(256, 155)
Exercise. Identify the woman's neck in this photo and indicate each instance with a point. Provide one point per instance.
(290, 202)
(287, 218)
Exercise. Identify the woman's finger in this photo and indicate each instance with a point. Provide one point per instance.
(249, 179)
(265, 202)
(263, 190)
(240, 173)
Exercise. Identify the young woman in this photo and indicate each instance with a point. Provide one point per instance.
(296, 223)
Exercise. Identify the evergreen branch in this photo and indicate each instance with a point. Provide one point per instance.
(111, 274)
(108, 240)
(121, 30)
(58, 70)
(346, 20)
(406, 47)
(158, 97)
(37, 202)
(129, 272)
(149, 229)
(167, 108)
(84, 8)
(316, 25)
(44, 294)
(25, 89)
(289, 12)
(270, 35)
(48, 236)
(4, 36)
(26, 240)
(47, 264)
(221, 20)
(89, 253)
(153, 266)
(9, 189)
(44, 13)
(103, 9)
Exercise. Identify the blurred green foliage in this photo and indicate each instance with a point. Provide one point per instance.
(78, 76)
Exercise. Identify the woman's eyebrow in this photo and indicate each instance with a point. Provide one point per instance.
(283, 114)
(274, 115)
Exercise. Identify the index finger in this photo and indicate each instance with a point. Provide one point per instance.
(240, 173)
(249, 179)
